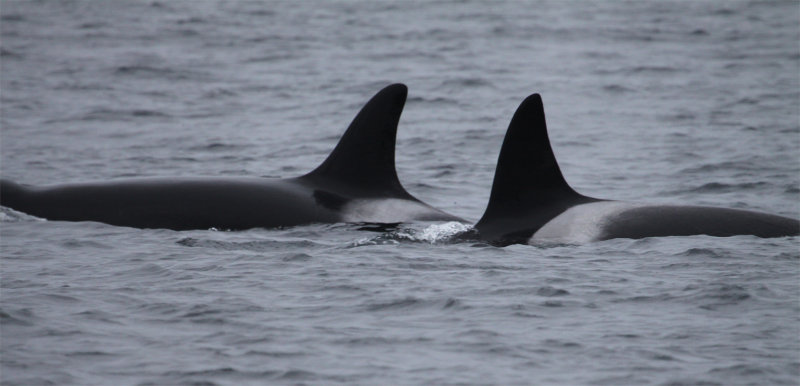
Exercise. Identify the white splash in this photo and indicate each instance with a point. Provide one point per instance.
(11, 215)
(432, 234)
(438, 232)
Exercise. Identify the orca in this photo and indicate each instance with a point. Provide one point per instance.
(356, 183)
(531, 202)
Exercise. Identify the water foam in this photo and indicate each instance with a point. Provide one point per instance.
(437, 233)
(432, 234)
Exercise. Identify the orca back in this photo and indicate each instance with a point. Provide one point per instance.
(528, 189)
(673, 220)
(529, 192)
(357, 182)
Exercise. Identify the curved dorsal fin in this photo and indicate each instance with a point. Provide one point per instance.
(363, 160)
(528, 188)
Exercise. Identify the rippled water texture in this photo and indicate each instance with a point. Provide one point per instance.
(663, 102)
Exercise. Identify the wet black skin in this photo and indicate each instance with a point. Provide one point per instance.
(529, 190)
(360, 167)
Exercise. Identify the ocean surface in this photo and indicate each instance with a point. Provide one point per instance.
(661, 102)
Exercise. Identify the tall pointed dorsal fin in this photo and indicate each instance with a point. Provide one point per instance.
(528, 188)
(364, 157)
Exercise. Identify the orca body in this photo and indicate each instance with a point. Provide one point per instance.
(531, 202)
(356, 183)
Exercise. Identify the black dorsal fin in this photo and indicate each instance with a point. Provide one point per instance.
(528, 188)
(363, 160)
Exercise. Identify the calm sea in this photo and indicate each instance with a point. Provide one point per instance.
(663, 102)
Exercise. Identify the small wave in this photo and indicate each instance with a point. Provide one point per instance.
(266, 58)
(218, 93)
(298, 375)
(394, 304)
(297, 257)
(201, 310)
(410, 301)
(101, 316)
(79, 86)
(453, 303)
(548, 291)
(93, 25)
(22, 317)
(261, 12)
(747, 101)
(89, 354)
(702, 252)
(558, 343)
(8, 54)
(215, 372)
(719, 187)
(724, 12)
(646, 298)
(608, 55)
(12, 17)
(380, 340)
(624, 336)
(59, 298)
(691, 382)
(342, 288)
(259, 246)
(741, 370)
(433, 101)
(218, 146)
(191, 20)
(788, 256)
(11, 215)
(185, 32)
(719, 295)
(748, 165)
(276, 354)
(681, 117)
(616, 89)
(433, 234)
(120, 115)
(728, 292)
(467, 82)
(158, 308)
(143, 71)
(148, 270)
(81, 244)
(653, 69)
(656, 70)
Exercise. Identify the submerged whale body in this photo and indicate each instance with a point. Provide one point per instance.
(356, 183)
(531, 201)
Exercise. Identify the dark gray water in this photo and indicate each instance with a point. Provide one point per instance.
(664, 102)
